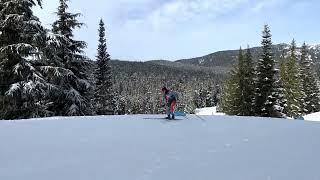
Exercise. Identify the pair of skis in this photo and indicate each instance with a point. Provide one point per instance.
(178, 116)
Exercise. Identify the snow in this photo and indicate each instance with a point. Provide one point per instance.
(201, 61)
(312, 117)
(13, 88)
(145, 147)
(207, 111)
(314, 46)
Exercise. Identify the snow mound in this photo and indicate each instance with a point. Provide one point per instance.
(208, 111)
(312, 117)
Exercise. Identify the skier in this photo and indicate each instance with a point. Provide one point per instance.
(171, 100)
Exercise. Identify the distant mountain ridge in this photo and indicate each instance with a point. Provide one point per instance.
(219, 62)
(229, 57)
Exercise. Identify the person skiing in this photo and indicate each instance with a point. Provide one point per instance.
(171, 98)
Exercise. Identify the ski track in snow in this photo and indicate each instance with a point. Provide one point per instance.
(137, 148)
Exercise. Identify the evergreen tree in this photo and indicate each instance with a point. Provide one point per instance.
(217, 95)
(237, 98)
(23, 87)
(283, 102)
(292, 84)
(104, 95)
(212, 94)
(248, 82)
(75, 94)
(199, 97)
(265, 96)
(246, 75)
(241, 85)
(209, 100)
(310, 83)
(231, 98)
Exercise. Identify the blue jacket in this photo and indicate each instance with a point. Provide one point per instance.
(171, 96)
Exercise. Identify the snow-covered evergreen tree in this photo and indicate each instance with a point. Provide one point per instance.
(212, 95)
(75, 94)
(238, 93)
(241, 85)
(280, 86)
(200, 97)
(310, 83)
(248, 82)
(209, 100)
(23, 87)
(104, 94)
(281, 101)
(231, 95)
(290, 77)
(265, 96)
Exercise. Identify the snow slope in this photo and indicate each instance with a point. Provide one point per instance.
(146, 147)
(312, 117)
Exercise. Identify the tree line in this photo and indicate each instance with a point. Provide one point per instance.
(288, 88)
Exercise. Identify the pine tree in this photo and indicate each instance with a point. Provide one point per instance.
(23, 87)
(238, 95)
(212, 94)
(231, 97)
(75, 94)
(282, 101)
(104, 95)
(248, 82)
(241, 85)
(290, 76)
(199, 98)
(265, 96)
(310, 83)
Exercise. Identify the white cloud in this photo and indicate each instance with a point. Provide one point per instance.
(262, 4)
(174, 29)
(181, 11)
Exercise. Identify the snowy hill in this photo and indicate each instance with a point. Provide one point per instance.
(312, 117)
(149, 148)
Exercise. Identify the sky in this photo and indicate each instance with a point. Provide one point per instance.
(143, 30)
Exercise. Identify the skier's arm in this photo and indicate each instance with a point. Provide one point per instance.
(165, 97)
(165, 100)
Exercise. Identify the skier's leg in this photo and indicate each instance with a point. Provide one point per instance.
(168, 110)
(172, 106)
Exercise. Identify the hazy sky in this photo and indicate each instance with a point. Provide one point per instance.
(175, 29)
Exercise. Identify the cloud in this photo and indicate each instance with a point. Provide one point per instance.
(263, 4)
(174, 29)
(182, 11)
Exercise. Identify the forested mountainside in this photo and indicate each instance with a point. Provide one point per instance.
(229, 57)
(198, 80)
(218, 63)
(138, 85)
